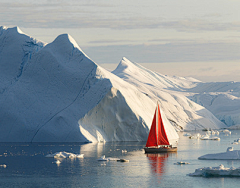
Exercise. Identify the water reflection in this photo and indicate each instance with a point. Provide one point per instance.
(157, 162)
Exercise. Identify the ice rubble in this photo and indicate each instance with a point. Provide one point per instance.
(55, 93)
(104, 158)
(230, 154)
(216, 172)
(63, 154)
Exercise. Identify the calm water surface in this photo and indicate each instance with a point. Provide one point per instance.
(27, 165)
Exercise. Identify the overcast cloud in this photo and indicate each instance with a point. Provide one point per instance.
(144, 31)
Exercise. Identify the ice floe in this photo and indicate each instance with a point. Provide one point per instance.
(230, 154)
(64, 154)
(103, 158)
(207, 137)
(57, 162)
(216, 171)
(181, 163)
(3, 165)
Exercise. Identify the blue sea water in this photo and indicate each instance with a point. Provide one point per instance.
(27, 165)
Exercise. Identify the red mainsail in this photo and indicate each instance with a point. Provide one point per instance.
(157, 135)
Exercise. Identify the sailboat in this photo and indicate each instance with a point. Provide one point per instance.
(157, 139)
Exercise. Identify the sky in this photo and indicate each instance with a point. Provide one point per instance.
(196, 38)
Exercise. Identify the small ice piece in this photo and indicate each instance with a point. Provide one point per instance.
(64, 155)
(195, 136)
(187, 134)
(124, 151)
(227, 132)
(207, 137)
(3, 165)
(181, 163)
(216, 172)
(103, 158)
(57, 162)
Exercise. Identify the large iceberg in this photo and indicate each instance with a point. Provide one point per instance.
(55, 93)
(219, 171)
(183, 113)
(230, 154)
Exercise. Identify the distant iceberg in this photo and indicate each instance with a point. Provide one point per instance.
(219, 171)
(230, 154)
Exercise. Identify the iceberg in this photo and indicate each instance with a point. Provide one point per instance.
(53, 92)
(230, 154)
(171, 91)
(219, 171)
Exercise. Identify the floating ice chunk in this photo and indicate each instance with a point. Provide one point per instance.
(216, 171)
(187, 134)
(64, 154)
(3, 165)
(207, 137)
(103, 158)
(195, 136)
(227, 132)
(181, 163)
(57, 162)
(124, 151)
(230, 154)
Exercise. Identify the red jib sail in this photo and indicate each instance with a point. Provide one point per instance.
(162, 136)
(157, 135)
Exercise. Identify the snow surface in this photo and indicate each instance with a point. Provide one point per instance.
(220, 98)
(230, 154)
(55, 93)
(216, 172)
(183, 113)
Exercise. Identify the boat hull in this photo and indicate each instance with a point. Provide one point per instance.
(159, 150)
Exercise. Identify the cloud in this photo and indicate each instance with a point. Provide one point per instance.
(165, 52)
(84, 14)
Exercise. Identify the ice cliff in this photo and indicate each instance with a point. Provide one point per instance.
(183, 113)
(49, 91)
(55, 93)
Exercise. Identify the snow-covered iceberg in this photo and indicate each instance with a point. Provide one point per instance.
(55, 93)
(219, 171)
(230, 154)
(183, 113)
(220, 98)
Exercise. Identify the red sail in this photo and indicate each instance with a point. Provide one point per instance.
(162, 136)
(152, 137)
